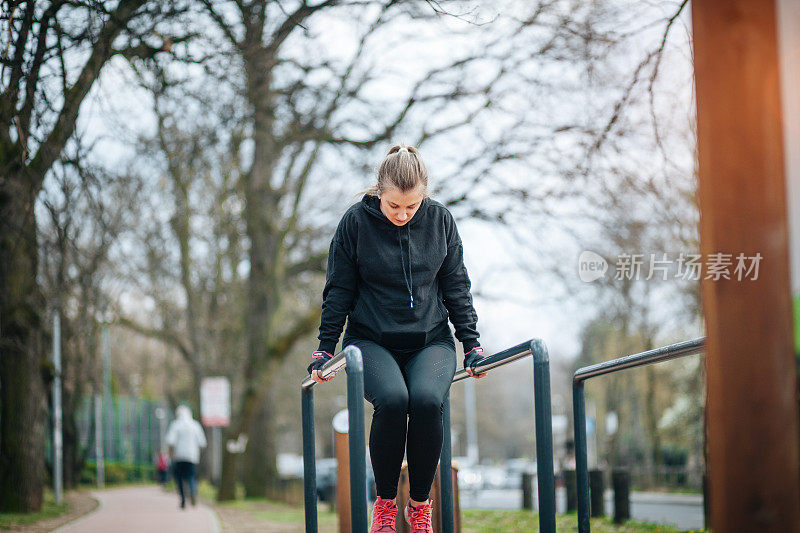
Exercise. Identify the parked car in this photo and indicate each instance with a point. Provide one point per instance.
(326, 480)
(494, 477)
(516, 467)
(469, 478)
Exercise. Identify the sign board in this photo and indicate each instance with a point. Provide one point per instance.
(215, 402)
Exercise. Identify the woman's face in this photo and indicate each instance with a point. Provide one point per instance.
(398, 206)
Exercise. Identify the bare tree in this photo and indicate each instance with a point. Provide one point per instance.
(41, 97)
(300, 106)
(85, 212)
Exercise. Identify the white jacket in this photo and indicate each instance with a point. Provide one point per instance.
(186, 436)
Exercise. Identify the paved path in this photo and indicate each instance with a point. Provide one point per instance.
(147, 508)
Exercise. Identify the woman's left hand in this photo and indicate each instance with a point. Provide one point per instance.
(474, 374)
(470, 359)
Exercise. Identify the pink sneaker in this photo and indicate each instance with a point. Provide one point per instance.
(419, 517)
(384, 516)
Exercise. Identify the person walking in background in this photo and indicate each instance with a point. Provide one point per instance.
(185, 437)
(162, 466)
(396, 273)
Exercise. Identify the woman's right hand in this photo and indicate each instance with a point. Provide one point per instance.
(316, 375)
(320, 358)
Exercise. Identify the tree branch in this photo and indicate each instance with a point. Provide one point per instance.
(33, 75)
(62, 130)
(302, 327)
(292, 21)
(315, 263)
(145, 51)
(167, 337)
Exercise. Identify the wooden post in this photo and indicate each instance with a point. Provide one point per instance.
(402, 498)
(403, 488)
(752, 374)
(341, 450)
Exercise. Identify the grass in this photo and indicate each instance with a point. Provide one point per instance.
(503, 521)
(266, 510)
(472, 520)
(49, 510)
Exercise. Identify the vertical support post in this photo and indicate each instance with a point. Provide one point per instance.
(216, 459)
(309, 466)
(581, 459)
(162, 427)
(358, 455)
(544, 437)
(471, 421)
(596, 493)
(98, 441)
(446, 470)
(109, 431)
(571, 486)
(621, 482)
(527, 491)
(750, 360)
(58, 451)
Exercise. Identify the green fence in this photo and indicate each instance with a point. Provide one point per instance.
(132, 434)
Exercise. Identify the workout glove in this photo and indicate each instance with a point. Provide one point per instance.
(320, 358)
(472, 357)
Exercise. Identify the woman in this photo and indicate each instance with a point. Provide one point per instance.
(396, 273)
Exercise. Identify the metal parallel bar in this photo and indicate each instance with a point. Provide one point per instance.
(331, 367)
(581, 456)
(499, 359)
(309, 460)
(544, 436)
(355, 437)
(446, 471)
(355, 390)
(657, 355)
(351, 359)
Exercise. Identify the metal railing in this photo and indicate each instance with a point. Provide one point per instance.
(657, 355)
(543, 428)
(349, 358)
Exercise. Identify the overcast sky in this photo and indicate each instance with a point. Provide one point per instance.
(116, 110)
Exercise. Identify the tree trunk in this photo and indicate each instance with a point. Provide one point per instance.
(261, 474)
(74, 459)
(22, 366)
(228, 478)
(652, 421)
(242, 425)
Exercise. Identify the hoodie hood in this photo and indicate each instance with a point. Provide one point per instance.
(396, 285)
(372, 205)
(183, 413)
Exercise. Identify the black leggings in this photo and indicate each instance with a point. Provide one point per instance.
(400, 385)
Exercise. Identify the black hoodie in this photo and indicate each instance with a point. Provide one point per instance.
(397, 285)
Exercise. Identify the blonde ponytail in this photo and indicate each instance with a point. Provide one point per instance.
(401, 168)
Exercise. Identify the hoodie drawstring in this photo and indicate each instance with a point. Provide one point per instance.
(410, 279)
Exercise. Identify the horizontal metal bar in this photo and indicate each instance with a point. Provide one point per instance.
(488, 363)
(657, 355)
(337, 363)
(499, 359)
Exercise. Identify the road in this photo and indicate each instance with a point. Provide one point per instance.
(680, 510)
(145, 508)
